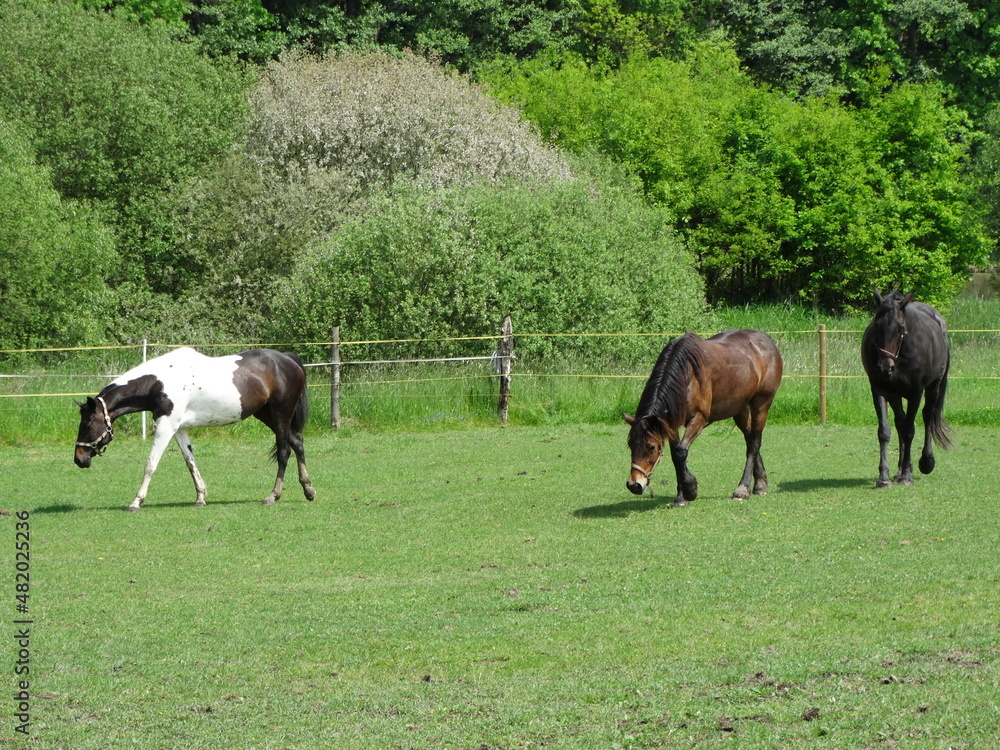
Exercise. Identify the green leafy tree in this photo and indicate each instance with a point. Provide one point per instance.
(53, 256)
(120, 113)
(236, 27)
(810, 200)
(858, 49)
(984, 175)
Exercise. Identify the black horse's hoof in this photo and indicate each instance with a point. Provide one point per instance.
(926, 464)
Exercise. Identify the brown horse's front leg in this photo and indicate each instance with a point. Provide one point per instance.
(687, 485)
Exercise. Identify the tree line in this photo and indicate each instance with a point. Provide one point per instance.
(247, 170)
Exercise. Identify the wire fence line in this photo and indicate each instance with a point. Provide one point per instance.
(145, 346)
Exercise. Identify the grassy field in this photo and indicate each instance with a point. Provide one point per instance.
(493, 589)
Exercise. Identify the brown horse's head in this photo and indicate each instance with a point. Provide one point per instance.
(646, 440)
(95, 431)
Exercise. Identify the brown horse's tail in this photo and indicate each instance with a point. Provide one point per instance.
(301, 415)
(940, 430)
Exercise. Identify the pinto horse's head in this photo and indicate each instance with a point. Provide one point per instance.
(95, 431)
(646, 440)
(889, 328)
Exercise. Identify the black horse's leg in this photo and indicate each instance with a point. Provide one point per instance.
(933, 403)
(297, 444)
(884, 435)
(904, 427)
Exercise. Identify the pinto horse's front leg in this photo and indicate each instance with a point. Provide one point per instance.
(161, 439)
(199, 484)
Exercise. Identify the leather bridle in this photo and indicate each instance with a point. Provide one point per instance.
(899, 348)
(648, 474)
(108, 433)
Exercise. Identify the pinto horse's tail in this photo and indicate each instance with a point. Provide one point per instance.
(301, 415)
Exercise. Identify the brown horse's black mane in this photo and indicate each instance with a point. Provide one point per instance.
(666, 392)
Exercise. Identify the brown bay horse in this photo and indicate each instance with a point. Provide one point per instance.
(733, 374)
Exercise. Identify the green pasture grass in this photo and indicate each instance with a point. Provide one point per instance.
(501, 589)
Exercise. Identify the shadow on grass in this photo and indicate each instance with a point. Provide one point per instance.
(811, 485)
(624, 508)
(61, 508)
(71, 508)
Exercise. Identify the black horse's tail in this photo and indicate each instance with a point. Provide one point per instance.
(940, 430)
(301, 415)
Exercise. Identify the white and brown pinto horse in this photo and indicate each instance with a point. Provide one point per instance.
(733, 374)
(186, 389)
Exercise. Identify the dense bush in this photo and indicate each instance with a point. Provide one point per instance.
(570, 257)
(326, 134)
(53, 257)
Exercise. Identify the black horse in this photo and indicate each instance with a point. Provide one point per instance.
(905, 353)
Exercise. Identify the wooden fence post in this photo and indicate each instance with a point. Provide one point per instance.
(335, 378)
(822, 373)
(505, 353)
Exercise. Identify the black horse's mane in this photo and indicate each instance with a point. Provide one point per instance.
(666, 391)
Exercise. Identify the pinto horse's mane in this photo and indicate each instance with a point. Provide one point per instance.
(666, 393)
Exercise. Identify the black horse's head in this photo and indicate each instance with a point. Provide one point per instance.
(888, 329)
(95, 431)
